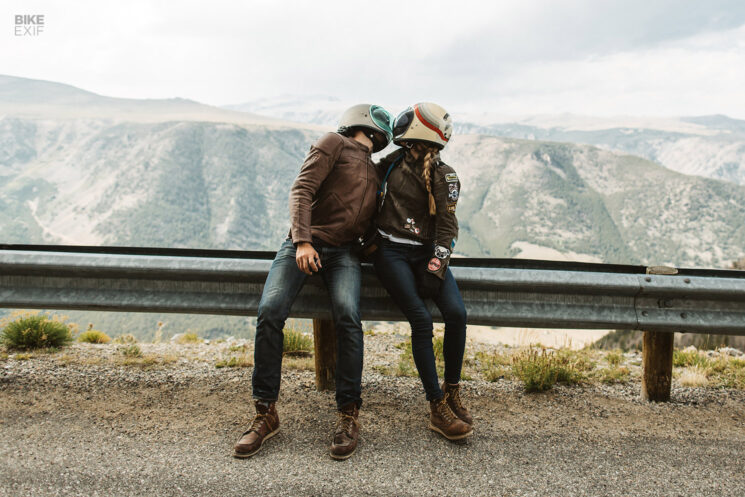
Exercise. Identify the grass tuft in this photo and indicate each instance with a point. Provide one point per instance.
(690, 358)
(125, 339)
(614, 358)
(494, 366)
(615, 374)
(540, 370)
(33, 331)
(132, 350)
(242, 361)
(297, 343)
(93, 336)
(694, 376)
(188, 338)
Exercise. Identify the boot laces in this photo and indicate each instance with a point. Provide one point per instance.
(258, 420)
(444, 409)
(345, 423)
(455, 397)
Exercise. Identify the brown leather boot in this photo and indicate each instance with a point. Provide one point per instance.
(455, 403)
(264, 426)
(443, 420)
(346, 433)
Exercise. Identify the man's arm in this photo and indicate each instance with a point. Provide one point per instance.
(317, 165)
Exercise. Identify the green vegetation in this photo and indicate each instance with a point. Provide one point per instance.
(132, 350)
(614, 374)
(188, 338)
(93, 336)
(127, 338)
(34, 331)
(405, 365)
(493, 366)
(297, 343)
(242, 361)
(540, 370)
(688, 358)
(614, 358)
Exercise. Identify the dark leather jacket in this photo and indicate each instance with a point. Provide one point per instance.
(333, 197)
(405, 206)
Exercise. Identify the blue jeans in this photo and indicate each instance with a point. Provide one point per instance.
(394, 264)
(342, 276)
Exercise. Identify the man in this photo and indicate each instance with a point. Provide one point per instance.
(332, 202)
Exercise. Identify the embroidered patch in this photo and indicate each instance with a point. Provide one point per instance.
(411, 226)
(453, 192)
(441, 252)
(451, 208)
(434, 264)
(451, 177)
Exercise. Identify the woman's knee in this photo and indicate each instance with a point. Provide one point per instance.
(455, 316)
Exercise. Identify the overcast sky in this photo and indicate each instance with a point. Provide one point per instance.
(595, 57)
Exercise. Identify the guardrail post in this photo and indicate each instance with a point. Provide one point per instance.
(657, 356)
(324, 344)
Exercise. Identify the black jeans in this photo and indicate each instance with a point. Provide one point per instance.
(394, 264)
(342, 275)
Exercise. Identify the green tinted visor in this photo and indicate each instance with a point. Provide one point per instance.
(382, 119)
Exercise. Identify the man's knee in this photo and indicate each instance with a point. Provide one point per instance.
(270, 310)
(347, 311)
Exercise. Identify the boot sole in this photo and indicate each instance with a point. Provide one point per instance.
(450, 437)
(244, 455)
(341, 458)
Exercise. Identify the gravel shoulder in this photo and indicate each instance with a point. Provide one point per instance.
(75, 427)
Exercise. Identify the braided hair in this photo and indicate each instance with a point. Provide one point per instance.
(431, 156)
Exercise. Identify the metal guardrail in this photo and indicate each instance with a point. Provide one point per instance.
(496, 292)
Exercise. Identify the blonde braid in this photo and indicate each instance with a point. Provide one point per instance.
(429, 160)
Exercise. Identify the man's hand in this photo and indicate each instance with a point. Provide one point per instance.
(307, 258)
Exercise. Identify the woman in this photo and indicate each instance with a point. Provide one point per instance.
(417, 223)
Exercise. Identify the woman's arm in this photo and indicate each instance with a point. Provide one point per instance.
(446, 190)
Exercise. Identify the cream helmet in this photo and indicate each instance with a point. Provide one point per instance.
(423, 122)
(373, 120)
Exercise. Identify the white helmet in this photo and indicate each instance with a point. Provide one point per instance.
(423, 122)
(373, 120)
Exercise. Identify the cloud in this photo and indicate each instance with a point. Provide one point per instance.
(530, 56)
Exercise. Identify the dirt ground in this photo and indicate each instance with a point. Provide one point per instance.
(76, 429)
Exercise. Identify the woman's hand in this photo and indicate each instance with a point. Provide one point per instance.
(307, 258)
(427, 284)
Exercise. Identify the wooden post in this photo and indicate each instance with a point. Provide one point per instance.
(324, 344)
(657, 353)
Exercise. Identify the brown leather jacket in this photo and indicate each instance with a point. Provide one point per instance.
(333, 197)
(405, 209)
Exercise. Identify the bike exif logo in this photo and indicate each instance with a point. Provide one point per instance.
(29, 25)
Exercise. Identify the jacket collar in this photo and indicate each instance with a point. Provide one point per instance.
(357, 144)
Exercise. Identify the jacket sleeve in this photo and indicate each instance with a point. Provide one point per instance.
(446, 190)
(317, 165)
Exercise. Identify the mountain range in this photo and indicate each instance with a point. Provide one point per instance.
(184, 174)
(708, 146)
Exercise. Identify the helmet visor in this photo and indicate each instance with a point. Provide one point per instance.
(403, 121)
(382, 119)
